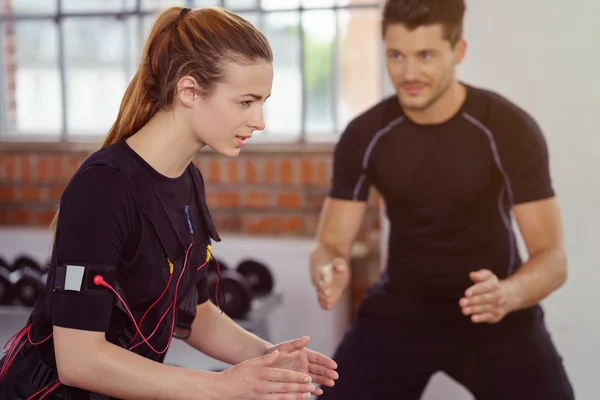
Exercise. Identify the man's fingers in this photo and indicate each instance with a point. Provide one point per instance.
(485, 317)
(481, 309)
(339, 264)
(481, 275)
(325, 275)
(486, 298)
(481, 288)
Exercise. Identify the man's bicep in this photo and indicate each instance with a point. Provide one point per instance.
(340, 223)
(349, 180)
(540, 224)
(529, 165)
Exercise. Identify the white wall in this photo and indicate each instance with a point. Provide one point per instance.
(543, 54)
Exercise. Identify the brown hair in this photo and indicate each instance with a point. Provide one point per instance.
(416, 13)
(184, 42)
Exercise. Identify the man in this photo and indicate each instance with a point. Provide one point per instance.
(453, 164)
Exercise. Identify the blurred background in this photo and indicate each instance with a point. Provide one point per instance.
(65, 64)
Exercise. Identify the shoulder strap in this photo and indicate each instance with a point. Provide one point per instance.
(199, 184)
(147, 196)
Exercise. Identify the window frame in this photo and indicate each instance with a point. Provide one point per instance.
(268, 142)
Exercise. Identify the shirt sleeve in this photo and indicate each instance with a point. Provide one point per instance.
(350, 180)
(202, 287)
(92, 231)
(528, 166)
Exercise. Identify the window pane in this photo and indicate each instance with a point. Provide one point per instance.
(95, 5)
(318, 3)
(97, 72)
(241, 4)
(280, 4)
(29, 6)
(360, 63)
(252, 17)
(158, 5)
(31, 82)
(375, 3)
(319, 79)
(283, 111)
(206, 3)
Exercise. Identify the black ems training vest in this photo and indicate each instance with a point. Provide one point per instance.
(35, 365)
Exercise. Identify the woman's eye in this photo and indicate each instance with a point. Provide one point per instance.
(246, 104)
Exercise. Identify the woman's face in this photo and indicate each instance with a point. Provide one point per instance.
(225, 120)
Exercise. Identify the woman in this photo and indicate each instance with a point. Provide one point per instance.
(132, 239)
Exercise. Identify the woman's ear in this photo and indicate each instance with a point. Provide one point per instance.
(187, 90)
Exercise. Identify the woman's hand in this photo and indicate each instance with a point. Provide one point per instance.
(258, 379)
(296, 357)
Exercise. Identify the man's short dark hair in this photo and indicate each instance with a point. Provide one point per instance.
(416, 13)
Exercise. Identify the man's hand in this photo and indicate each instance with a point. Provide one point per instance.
(488, 300)
(294, 356)
(331, 281)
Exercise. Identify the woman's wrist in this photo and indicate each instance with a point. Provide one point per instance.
(206, 385)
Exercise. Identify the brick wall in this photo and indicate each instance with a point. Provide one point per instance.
(258, 192)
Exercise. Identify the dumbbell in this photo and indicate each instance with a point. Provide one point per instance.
(234, 292)
(258, 275)
(7, 289)
(28, 277)
(212, 265)
(238, 287)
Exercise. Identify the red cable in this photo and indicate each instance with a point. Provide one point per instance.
(99, 280)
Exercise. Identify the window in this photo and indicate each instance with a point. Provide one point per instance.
(65, 64)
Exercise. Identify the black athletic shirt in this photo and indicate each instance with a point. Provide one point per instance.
(100, 224)
(448, 190)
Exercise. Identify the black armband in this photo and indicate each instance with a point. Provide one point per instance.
(80, 278)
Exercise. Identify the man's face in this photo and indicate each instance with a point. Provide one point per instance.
(421, 63)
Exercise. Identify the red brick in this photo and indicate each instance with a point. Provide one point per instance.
(214, 171)
(7, 193)
(20, 216)
(8, 167)
(25, 161)
(322, 173)
(259, 224)
(56, 192)
(255, 199)
(268, 171)
(306, 171)
(286, 173)
(294, 225)
(251, 172)
(289, 200)
(44, 217)
(227, 199)
(232, 172)
(30, 193)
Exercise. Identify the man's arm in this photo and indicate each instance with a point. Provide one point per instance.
(546, 270)
(339, 224)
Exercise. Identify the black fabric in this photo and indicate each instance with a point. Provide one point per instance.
(448, 190)
(118, 211)
(379, 359)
